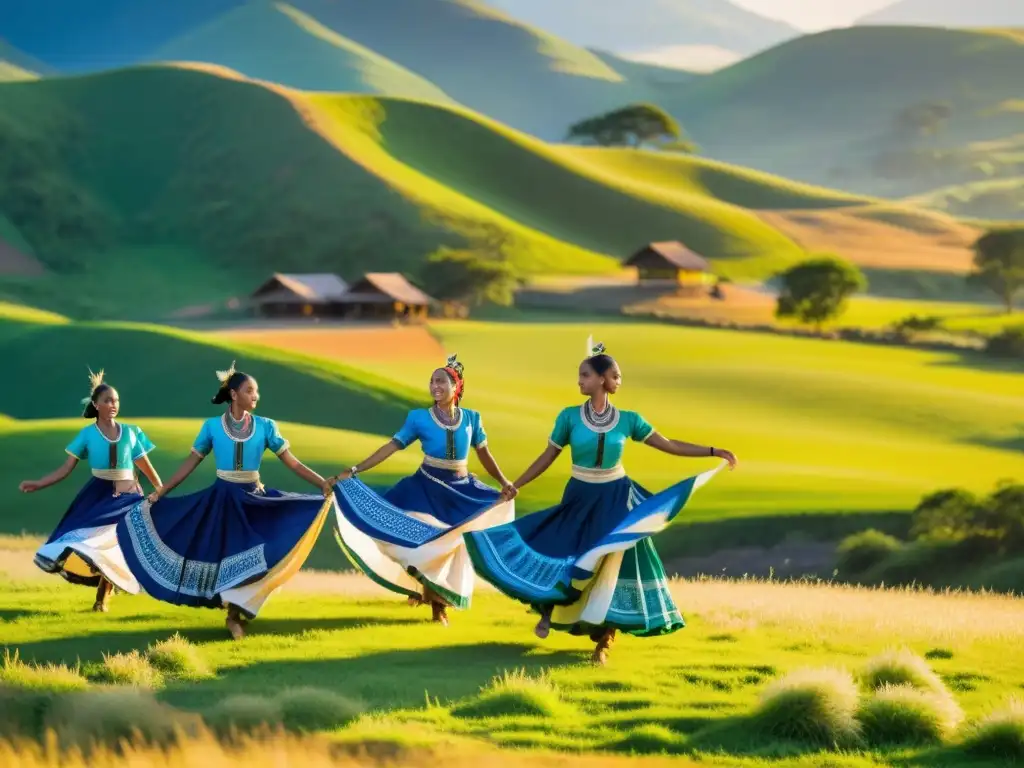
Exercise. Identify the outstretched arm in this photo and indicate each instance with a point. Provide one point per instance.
(387, 450)
(539, 466)
(291, 461)
(65, 469)
(508, 490)
(144, 464)
(187, 466)
(690, 450)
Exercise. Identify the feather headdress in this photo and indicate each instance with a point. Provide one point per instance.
(95, 379)
(225, 376)
(592, 348)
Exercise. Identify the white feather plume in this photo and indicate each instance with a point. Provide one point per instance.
(223, 376)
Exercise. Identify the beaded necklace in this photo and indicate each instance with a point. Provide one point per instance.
(238, 430)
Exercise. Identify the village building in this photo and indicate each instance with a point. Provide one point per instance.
(299, 295)
(381, 296)
(671, 263)
(386, 296)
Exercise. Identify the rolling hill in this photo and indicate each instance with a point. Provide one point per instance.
(825, 108)
(950, 13)
(275, 179)
(651, 27)
(278, 43)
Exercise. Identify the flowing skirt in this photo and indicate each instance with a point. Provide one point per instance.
(83, 547)
(231, 543)
(411, 537)
(590, 558)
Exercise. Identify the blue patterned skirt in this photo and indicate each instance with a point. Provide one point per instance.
(409, 538)
(590, 559)
(83, 547)
(231, 543)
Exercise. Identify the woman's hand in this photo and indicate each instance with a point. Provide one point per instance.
(509, 492)
(328, 487)
(155, 496)
(29, 486)
(728, 456)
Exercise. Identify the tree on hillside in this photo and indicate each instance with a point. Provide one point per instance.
(816, 290)
(925, 119)
(999, 264)
(479, 273)
(632, 126)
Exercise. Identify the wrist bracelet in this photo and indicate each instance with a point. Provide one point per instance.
(354, 470)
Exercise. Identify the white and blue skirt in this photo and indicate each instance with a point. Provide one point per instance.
(232, 543)
(83, 547)
(590, 560)
(410, 538)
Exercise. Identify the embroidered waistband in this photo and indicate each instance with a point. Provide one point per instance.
(233, 476)
(455, 465)
(114, 474)
(592, 475)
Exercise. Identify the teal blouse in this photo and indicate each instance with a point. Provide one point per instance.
(441, 442)
(598, 448)
(103, 453)
(239, 455)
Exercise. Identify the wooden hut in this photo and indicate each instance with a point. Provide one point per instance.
(671, 264)
(385, 296)
(300, 295)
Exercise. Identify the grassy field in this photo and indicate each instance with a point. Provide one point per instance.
(822, 108)
(421, 688)
(391, 178)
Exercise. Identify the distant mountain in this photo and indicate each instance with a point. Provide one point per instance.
(653, 27)
(836, 108)
(951, 13)
(278, 43)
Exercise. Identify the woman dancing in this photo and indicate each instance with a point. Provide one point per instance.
(588, 565)
(234, 543)
(83, 547)
(410, 539)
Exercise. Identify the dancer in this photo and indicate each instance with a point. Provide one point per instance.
(410, 539)
(588, 565)
(83, 547)
(234, 543)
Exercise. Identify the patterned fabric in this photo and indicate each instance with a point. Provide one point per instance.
(591, 556)
(410, 537)
(92, 445)
(195, 549)
(438, 440)
(599, 446)
(239, 455)
(84, 546)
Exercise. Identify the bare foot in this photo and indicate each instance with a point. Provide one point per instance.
(440, 614)
(543, 628)
(604, 645)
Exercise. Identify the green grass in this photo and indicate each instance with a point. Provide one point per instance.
(392, 179)
(424, 686)
(818, 108)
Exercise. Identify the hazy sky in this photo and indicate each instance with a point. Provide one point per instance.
(815, 14)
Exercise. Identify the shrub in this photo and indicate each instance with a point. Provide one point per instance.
(313, 709)
(905, 715)
(107, 716)
(23, 712)
(243, 714)
(1008, 343)
(812, 706)
(515, 693)
(946, 515)
(860, 551)
(1000, 734)
(177, 657)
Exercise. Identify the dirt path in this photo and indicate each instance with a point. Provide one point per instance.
(344, 343)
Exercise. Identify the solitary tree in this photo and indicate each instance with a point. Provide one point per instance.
(999, 264)
(465, 275)
(632, 126)
(816, 290)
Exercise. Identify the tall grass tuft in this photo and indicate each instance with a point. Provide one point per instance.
(242, 714)
(131, 669)
(57, 678)
(812, 706)
(905, 715)
(516, 693)
(1000, 734)
(176, 657)
(901, 667)
(108, 716)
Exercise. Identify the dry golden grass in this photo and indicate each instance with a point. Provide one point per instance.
(873, 243)
(345, 343)
(281, 750)
(826, 612)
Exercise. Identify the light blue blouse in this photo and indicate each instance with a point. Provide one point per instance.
(441, 442)
(91, 444)
(595, 449)
(233, 455)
